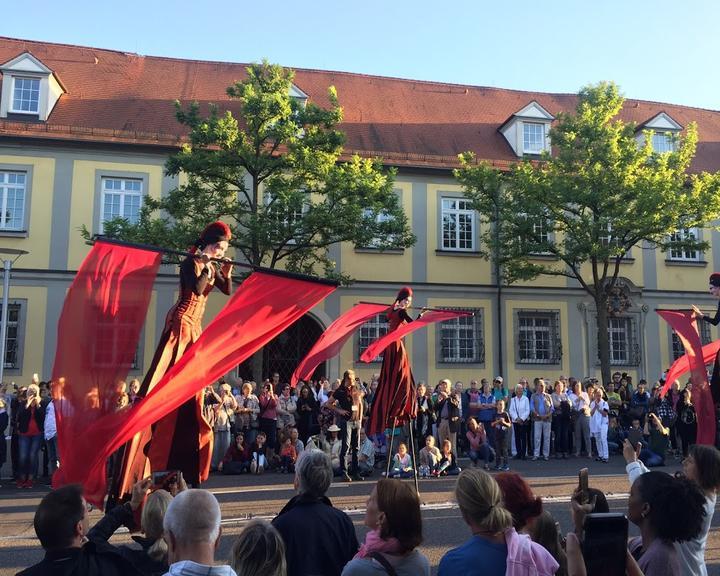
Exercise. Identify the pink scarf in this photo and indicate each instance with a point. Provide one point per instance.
(373, 543)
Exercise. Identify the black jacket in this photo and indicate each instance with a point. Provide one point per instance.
(453, 413)
(23, 417)
(319, 539)
(123, 516)
(93, 559)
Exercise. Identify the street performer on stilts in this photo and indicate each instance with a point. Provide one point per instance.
(714, 288)
(395, 399)
(182, 440)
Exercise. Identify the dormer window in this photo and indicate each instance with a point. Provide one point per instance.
(664, 133)
(527, 130)
(26, 95)
(30, 90)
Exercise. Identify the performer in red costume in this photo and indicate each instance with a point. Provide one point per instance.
(714, 288)
(182, 440)
(395, 396)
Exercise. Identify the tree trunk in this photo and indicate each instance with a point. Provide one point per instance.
(603, 338)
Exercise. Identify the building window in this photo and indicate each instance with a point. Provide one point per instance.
(286, 216)
(533, 137)
(110, 346)
(663, 142)
(373, 329)
(677, 347)
(26, 95)
(458, 225)
(684, 254)
(538, 337)
(624, 348)
(380, 218)
(12, 340)
(535, 235)
(12, 199)
(461, 340)
(121, 198)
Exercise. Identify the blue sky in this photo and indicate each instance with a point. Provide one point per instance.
(660, 50)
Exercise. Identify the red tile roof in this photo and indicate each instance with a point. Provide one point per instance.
(127, 98)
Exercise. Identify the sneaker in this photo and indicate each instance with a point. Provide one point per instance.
(505, 468)
(545, 458)
(534, 458)
(498, 467)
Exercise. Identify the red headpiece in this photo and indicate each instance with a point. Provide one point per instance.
(715, 279)
(213, 233)
(405, 292)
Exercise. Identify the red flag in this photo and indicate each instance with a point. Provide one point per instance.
(428, 318)
(98, 332)
(685, 326)
(332, 340)
(263, 306)
(682, 364)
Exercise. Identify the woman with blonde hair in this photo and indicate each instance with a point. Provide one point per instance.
(259, 551)
(495, 548)
(393, 517)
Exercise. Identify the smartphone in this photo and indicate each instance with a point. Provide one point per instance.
(604, 547)
(163, 478)
(583, 486)
(635, 436)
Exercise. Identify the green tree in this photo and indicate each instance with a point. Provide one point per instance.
(271, 167)
(585, 205)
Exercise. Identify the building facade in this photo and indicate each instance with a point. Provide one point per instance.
(85, 133)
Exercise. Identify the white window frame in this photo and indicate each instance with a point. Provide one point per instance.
(545, 226)
(450, 208)
(663, 142)
(619, 331)
(14, 110)
(461, 340)
(124, 193)
(288, 219)
(528, 138)
(531, 324)
(5, 186)
(14, 334)
(370, 331)
(684, 254)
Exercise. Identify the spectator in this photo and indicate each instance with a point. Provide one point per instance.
(286, 408)
(319, 539)
(295, 439)
(366, 455)
(448, 414)
(687, 420)
(499, 391)
(472, 401)
(599, 411)
(448, 461)
(425, 413)
(541, 407)
(30, 420)
(192, 533)
(268, 418)
(237, 457)
(520, 416)
(402, 466)
(151, 558)
(519, 500)
(225, 407)
(133, 390)
(288, 456)
(306, 414)
(479, 445)
(613, 399)
(259, 551)
(656, 442)
(246, 413)
(616, 435)
(333, 447)
(702, 466)
(393, 517)
(495, 548)
(501, 425)
(545, 531)
(61, 525)
(259, 453)
(561, 419)
(639, 403)
(4, 421)
(581, 412)
(347, 420)
(487, 409)
(666, 510)
(50, 434)
(429, 457)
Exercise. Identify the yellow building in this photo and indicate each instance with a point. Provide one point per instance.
(85, 133)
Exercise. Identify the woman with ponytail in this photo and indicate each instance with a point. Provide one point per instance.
(182, 440)
(495, 548)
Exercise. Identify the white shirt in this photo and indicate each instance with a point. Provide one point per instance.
(598, 420)
(50, 427)
(581, 403)
(519, 408)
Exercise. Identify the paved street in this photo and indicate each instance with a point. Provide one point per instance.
(244, 497)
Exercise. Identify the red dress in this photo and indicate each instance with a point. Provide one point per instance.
(182, 440)
(395, 396)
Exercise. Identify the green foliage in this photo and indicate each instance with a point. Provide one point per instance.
(270, 167)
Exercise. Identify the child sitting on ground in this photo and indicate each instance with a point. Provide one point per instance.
(402, 463)
(288, 456)
(429, 457)
(259, 454)
(448, 461)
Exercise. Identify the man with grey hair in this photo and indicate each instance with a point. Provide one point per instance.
(319, 539)
(192, 532)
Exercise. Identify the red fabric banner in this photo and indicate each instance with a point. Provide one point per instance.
(682, 364)
(685, 326)
(431, 317)
(334, 337)
(98, 332)
(262, 307)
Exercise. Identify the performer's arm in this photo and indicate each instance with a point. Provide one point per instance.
(714, 321)
(404, 315)
(194, 275)
(223, 281)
